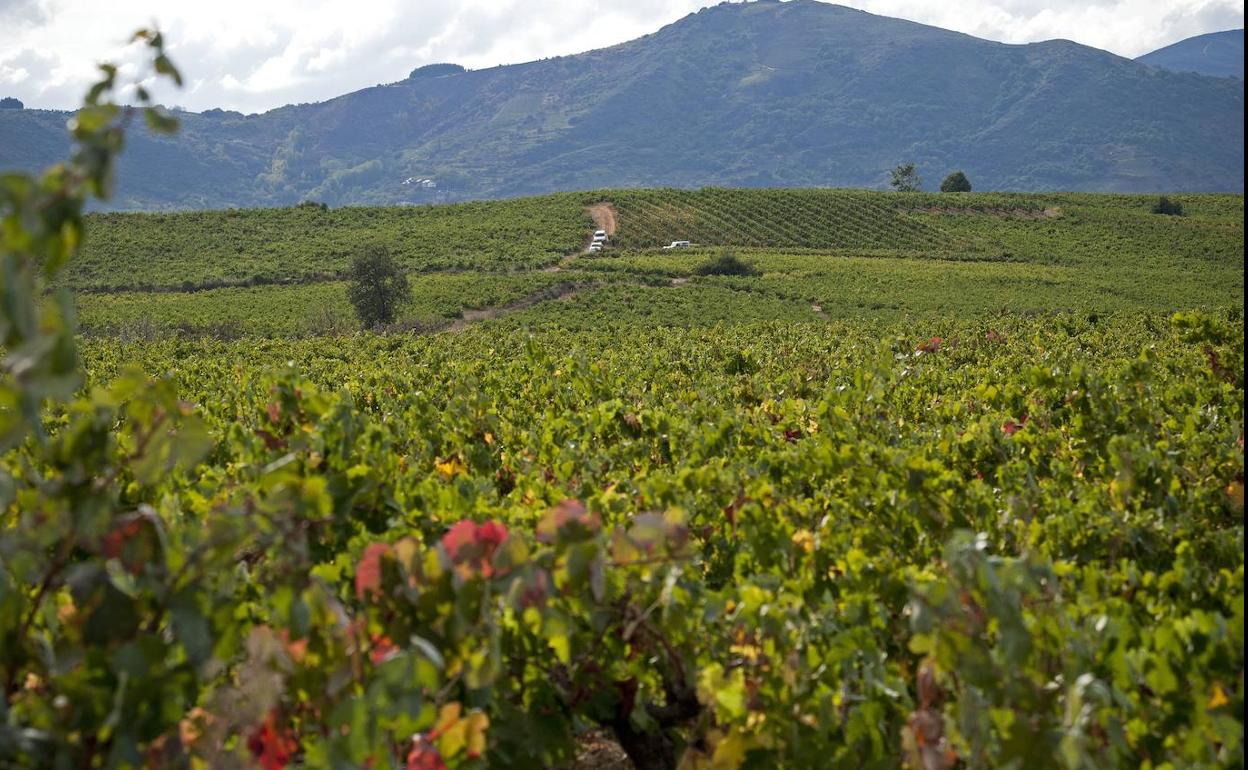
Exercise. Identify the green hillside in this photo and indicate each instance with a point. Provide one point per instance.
(818, 254)
(756, 94)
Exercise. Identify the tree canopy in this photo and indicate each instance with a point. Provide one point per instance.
(905, 178)
(378, 287)
(956, 183)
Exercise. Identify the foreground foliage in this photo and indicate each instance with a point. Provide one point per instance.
(773, 571)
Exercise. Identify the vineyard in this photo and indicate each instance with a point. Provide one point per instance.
(208, 249)
(303, 309)
(1037, 227)
(888, 483)
(278, 272)
(822, 219)
(792, 544)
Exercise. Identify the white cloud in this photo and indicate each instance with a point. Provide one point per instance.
(253, 55)
(1126, 27)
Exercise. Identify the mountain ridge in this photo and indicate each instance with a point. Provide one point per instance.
(1216, 54)
(800, 93)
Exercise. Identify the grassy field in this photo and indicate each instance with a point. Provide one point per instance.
(819, 254)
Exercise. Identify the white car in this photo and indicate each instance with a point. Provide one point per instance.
(600, 235)
(595, 247)
(677, 245)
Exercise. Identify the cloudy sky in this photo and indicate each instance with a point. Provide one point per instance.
(252, 55)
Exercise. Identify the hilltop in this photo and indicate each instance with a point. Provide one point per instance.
(761, 94)
(1218, 54)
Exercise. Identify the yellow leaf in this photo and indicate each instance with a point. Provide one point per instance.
(451, 730)
(1219, 698)
(450, 468)
(730, 752)
(447, 716)
(477, 723)
(451, 742)
(747, 651)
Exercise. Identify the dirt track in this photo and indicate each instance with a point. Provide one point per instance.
(604, 217)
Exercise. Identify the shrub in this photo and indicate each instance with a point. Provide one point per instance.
(1168, 207)
(378, 287)
(955, 183)
(727, 263)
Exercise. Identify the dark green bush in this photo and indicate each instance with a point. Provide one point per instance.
(1168, 207)
(727, 263)
(955, 183)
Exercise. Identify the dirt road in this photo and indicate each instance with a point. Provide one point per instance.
(604, 217)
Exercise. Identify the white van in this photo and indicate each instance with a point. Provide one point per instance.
(677, 245)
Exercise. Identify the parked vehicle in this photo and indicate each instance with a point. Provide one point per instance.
(595, 247)
(677, 245)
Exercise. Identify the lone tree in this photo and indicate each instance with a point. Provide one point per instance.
(956, 182)
(377, 287)
(905, 178)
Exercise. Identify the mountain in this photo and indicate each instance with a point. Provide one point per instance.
(1218, 54)
(798, 93)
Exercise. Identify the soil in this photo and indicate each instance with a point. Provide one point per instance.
(604, 215)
